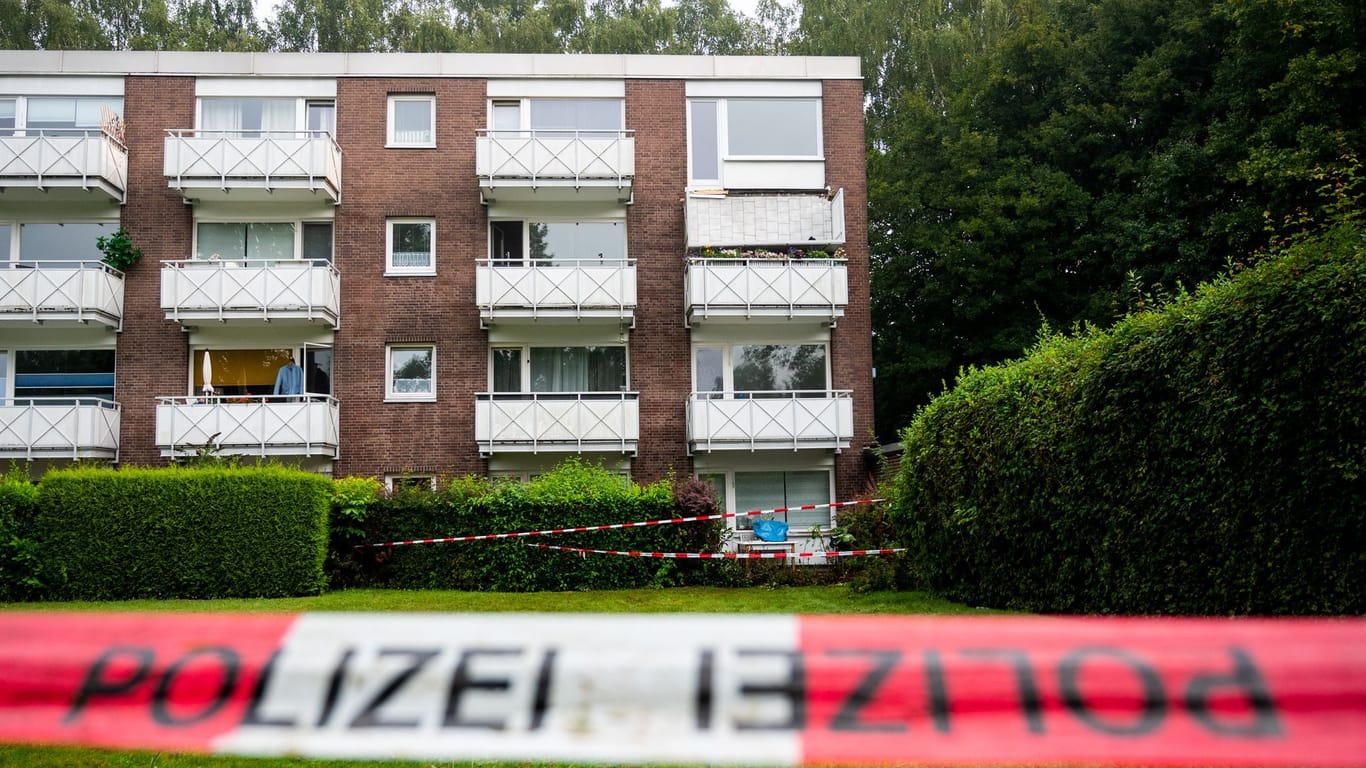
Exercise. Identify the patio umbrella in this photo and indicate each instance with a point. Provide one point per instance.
(208, 373)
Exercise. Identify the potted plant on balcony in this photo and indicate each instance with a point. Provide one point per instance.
(118, 249)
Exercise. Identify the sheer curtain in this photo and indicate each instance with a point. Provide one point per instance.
(244, 118)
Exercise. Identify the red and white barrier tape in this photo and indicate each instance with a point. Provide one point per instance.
(719, 555)
(612, 526)
(734, 689)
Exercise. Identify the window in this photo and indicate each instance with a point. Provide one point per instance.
(81, 375)
(239, 372)
(246, 118)
(724, 130)
(559, 369)
(556, 243)
(411, 373)
(562, 117)
(411, 247)
(317, 243)
(44, 242)
(321, 118)
(760, 370)
(8, 116)
(396, 483)
(772, 490)
(59, 113)
(412, 121)
(239, 241)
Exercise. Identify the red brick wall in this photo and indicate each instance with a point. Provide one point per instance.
(660, 350)
(851, 341)
(376, 436)
(152, 353)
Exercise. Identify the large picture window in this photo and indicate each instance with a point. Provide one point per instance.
(559, 369)
(556, 243)
(56, 114)
(246, 118)
(43, 242)
(78, 374)
(559, 117)
(773, 128)
(773, 490)
(760, 370)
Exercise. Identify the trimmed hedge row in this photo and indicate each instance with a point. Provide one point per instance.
(573, 494)
(1208, 457)
(18, 551)
(182, 532)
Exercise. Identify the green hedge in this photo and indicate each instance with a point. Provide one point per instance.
(18, 551)
(1208, 457)
(574, 494)
(182, 532)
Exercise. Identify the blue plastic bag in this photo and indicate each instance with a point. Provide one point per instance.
(770, 530)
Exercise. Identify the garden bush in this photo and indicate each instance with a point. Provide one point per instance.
(18, 551)
(573, 494)
(182, 532)
(1207, 457)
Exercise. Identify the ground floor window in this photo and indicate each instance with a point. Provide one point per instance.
(404, 481)
(742, 491)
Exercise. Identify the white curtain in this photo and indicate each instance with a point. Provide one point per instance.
(246, 117)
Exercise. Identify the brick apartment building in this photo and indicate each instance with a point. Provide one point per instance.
(479, 263)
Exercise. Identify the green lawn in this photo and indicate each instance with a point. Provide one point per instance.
(829, 599)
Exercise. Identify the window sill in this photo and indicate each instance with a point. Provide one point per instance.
(406, 273)
(411, 146)
(392, 399)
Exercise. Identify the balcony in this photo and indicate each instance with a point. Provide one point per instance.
(516, 422)
(257, 425)
(59, 292)
(738, 221)
(59, 428)
(254, 165)
(582, 291)
(751, 421)
(295, 291)
(547, 166)
(765, 289)
(39, 162)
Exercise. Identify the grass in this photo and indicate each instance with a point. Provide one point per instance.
(824, 599)
(813, 600)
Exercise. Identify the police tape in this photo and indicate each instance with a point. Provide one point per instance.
(719, 555)
(614, 526)
(744, 690)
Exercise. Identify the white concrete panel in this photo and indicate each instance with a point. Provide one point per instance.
(61, 210)
(539, 464)
(392, 65)
(265, 87)
(62, 86)
(30, 61)
(557, 65)
(761, 66)
(669, 67)
(93, 336)
(574, 89)
(486, 65)
(220, 336)
(300, 63)
(98, 62)
(231, 210)
(782, 460)
(196, 63)
(773, 174)
(785, 333)
(559, 211)
(562, 333)
(753, 89)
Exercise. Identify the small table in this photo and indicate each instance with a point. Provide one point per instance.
(756, 545)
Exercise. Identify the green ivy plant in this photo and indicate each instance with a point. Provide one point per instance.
(118, 249)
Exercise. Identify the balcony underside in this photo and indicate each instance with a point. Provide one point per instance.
(254, 316)
(552, 446)
(722, 315)
(758, 444)
(553, 190)
(558, 315)
(58, 317)
(59, 189)
(302, 450)
(35, 453)
(256, 189)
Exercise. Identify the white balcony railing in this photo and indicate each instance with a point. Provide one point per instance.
(580, 290)
(61, 291)
(745, 289)
(259, 425)
(59, 428)
(298, 290)
(748, 421)
(89, 160)
(738, 221)
(558, 421)
(287, 164)
(579, 162)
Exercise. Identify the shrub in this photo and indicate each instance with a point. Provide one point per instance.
(18, 552)
(182, 533)
(1203, 458)
(573, 494)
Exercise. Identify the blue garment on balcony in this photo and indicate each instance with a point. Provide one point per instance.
(290, 380)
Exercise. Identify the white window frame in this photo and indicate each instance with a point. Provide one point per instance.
(390, 396)
(728, 361)
(723, 153)
(524, 109)
(390, 269)
(390, 477)
(21, 109)
(14, 232)
(728, 494)
(525, 373)
(391, 141)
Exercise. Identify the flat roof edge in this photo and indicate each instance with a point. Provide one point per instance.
(483, 65)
